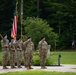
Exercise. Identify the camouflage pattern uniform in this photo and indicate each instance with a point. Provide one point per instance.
(12, 53)
(5, 49)
(19, 53)
(24, 49)
(43, 48)
(28, 53)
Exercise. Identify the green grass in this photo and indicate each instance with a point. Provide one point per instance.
(37, 72)
(0, 57)
(66, 57)
(73, 68)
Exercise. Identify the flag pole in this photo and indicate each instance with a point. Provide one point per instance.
(16, 5)
(37, 8)
(16, 15)
(21, 16)
(14, 26)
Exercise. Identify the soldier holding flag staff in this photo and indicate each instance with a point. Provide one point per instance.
(5, 49)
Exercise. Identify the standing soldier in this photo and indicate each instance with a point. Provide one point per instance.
(13, 53)
(24, 49)
(43, 52)
(19, 53)
(29, 47)
(5, 49)
(48, 53)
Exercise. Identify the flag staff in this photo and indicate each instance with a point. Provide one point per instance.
(14, 26)
(16, 6)
(38, 8)
(21, 16)
(16, 16)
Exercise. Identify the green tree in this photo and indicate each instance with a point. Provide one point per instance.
(6, 15)
(60, 14)
(36, 28)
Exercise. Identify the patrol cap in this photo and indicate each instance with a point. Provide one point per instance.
(12, 38)
(42, 37)
(5, 35)
(29, 37)
(18, 38)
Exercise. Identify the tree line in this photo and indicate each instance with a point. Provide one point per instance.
(60, 15)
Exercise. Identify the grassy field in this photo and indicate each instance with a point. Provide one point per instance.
(0, 56)
(66, 57)
(34, 72)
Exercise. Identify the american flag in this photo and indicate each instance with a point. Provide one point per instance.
(14, 26)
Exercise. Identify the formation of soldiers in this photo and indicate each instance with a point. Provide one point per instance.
(14, 50)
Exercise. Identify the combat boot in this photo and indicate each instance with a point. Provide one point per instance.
(19, 67)
(25, 66)
(43, 67)
(30, 67)
(4, 67)
(13, 67)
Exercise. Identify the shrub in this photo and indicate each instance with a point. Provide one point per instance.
(36, 61)
(49, 61)
(36, 28)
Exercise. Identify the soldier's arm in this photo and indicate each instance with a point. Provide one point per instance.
(40, 45)
(7, 43)
(33, 47)
(20, 47)
(2, 44)
(23, 46)
(9, 46)
(26, 42)
(13, 47)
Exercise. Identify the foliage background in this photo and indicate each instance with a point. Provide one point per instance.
(60, 15)
(37, 28)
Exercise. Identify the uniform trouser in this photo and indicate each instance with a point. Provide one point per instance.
(28, 58)
(4, 57)
(12, 58)
(43, 55)
(24, 59)
(19, 57)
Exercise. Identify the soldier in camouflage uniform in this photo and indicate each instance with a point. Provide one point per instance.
(5, 49)
(19, 53)
(13, 53)
(29, 47)
(43, 48)
(24, 49)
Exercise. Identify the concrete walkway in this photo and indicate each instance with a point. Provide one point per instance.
(62, 68)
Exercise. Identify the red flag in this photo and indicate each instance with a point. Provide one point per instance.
(14, 27)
